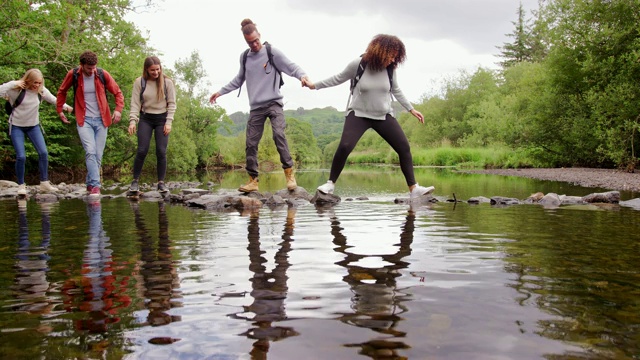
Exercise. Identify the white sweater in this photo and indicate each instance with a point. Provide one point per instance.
(27, 113)
(372, 95)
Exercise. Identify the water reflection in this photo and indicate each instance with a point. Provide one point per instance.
(159, 274)
(31, 284)
(97, 295)
(269, 289)
(377, 303)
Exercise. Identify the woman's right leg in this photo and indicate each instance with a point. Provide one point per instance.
(17, 139)
(145, 130)
(354, 128)
(36, 137)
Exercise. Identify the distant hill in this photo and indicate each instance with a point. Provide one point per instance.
(326, 123)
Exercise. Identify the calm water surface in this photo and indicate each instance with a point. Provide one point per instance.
(365, 279)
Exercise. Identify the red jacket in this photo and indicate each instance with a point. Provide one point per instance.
(80, 106)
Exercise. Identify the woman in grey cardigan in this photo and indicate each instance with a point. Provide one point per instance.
(373, 85)
(24, 122)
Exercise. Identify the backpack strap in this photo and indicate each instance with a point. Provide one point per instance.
(9, 108)
(244, 69)
(143, 86)
(269, 61)
(20, 97)
(76, 73)
(360, 71)
(273, 64)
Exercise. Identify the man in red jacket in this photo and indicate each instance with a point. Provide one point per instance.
(93, 116)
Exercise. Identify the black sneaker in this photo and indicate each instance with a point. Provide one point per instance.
(162, 187)
(134, 186)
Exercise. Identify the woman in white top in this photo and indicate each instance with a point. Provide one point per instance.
(24, 122)
(373, 84)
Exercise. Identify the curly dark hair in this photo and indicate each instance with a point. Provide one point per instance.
(379, 49)
(248, 27)
(88, 58)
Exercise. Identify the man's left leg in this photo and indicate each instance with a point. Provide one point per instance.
(278, 125)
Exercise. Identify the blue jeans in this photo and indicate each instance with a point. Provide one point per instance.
(17, 139)
(94, 137)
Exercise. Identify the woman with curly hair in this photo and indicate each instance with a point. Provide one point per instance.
(370, 108)
(24, 122)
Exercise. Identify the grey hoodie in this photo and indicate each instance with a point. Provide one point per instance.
(372, 95)
(259, 77)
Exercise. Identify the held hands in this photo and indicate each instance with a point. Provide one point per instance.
(307, 83)
(418, 115)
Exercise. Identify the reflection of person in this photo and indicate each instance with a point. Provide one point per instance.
(99, 294)
(152, 110)
(262, 77)
(269, 289)
(24, 121)
(370, 108)
(159, 274)
(31, 284)
(376, 303)
(93, 116)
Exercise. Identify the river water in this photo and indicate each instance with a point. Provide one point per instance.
(367, 278)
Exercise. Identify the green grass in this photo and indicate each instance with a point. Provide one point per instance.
(447, 156)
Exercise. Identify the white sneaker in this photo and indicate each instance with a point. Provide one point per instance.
(327, 188)
(420, 191)
(45, 186)
(22, 189)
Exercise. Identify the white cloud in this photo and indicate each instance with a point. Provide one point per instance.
(441, 37)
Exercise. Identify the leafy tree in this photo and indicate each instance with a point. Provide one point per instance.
(594, 67)
(201, 120)
(527, 45)
(302, 143)
(50, 35)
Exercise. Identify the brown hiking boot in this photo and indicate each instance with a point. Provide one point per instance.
(291, 179)
(250, 186)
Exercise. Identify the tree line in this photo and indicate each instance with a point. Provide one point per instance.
(565, 93)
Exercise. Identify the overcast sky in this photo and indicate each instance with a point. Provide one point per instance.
(442, 37)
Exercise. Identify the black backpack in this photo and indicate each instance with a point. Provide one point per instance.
(270, 60)
(8, 107)
(360, 71)
(143, 86)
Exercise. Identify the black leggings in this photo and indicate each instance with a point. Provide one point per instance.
(151, 123)
(389, 129)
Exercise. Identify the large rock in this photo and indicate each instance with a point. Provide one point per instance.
(501, 200)
(325, 199)
(612, 197)
(224, 202)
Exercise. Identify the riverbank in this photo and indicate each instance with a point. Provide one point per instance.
(610, 179)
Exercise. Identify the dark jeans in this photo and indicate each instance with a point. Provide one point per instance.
(148, 124)
(389, 129)
(255, 128)
(17, 139)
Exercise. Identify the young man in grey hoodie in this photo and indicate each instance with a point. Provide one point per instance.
(262, 77)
